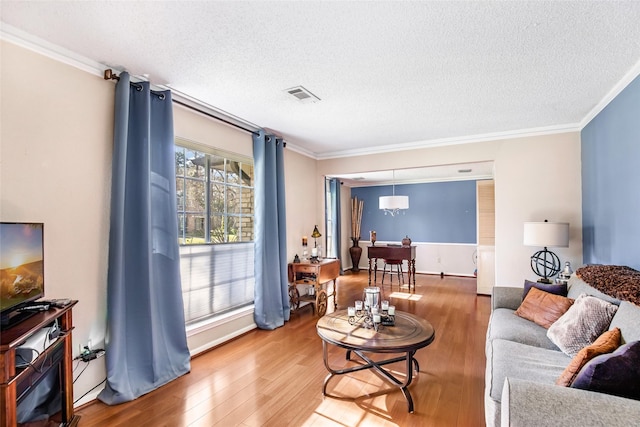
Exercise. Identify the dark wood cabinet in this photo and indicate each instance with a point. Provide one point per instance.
(16, 383)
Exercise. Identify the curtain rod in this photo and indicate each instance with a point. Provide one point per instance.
(110, 75)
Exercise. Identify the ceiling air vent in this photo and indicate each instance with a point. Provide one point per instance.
(302, 94)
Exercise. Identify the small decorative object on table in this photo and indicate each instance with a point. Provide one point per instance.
(305, 251)
(373, 237)
(406, 241)
(314, 250)
(296, 259)
(565, 274)
(370, 313)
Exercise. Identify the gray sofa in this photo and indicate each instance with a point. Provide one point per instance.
(523, 365)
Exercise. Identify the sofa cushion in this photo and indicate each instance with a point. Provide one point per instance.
(543, 308)
(515, 360)
(583, 322)
(552, 288)
(505, 324)
(627, 318)
(605, 343)
(616, 373)
(577, 286)
(526, 403)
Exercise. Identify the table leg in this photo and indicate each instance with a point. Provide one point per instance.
(335, 295)
(375, 270)
(404, 388)
(369, 271)
(411, 363)
(403, 385)
(325, 358)
(413, 272)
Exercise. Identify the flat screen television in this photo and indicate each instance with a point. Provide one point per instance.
(21, 268)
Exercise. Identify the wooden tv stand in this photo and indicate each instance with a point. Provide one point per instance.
(16, 383)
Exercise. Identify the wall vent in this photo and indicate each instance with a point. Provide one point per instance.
(302, 94)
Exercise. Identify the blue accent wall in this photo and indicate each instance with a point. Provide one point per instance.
(439, 212)
(611, 182)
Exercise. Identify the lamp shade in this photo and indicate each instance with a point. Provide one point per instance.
(316, 233)
(546, 234)
(393, 202)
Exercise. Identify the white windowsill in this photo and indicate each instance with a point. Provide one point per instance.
(216, 321)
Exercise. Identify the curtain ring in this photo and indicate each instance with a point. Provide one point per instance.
(161, 96)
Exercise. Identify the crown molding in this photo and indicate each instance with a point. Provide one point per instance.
(442, 142)
(615, 91)
(301, 150)
(50, 50)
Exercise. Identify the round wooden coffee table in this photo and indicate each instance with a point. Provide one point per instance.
(409, 334)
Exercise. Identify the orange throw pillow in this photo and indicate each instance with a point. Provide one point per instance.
(543, 308)
(606, 343)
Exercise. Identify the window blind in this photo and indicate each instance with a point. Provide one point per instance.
(216, 279)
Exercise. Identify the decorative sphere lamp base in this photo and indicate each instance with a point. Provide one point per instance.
(545, 264)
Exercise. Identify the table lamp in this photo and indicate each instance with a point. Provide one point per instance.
(546, 234)
(315, 235)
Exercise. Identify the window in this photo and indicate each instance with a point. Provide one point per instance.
(215, 197)
(329, 215)
(215, 214)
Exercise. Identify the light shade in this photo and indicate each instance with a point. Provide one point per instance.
(546, 234)
(316, 233)
(393, 202)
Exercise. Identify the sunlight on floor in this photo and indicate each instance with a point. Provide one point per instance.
(404, 295)
(354, 402)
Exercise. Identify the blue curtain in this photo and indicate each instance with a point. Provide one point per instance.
(146, 340)
(333, 216)
(271, 290)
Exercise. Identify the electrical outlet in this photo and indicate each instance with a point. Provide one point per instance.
(82, 348)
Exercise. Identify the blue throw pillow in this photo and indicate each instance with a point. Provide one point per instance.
(616, 373)
(547, 287)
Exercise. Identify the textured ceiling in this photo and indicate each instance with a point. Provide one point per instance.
(387, 73)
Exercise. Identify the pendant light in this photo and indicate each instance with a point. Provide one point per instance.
(393, 204)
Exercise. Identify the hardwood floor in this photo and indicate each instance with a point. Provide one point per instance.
(274, 378)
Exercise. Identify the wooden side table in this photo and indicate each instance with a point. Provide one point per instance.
(316, 275)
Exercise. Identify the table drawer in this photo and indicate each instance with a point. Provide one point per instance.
(306, 269)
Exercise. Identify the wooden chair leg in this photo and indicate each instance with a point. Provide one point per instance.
(384, 269)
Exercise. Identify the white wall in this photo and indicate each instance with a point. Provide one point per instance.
(303, 206)
(56, 143)
(536, 178)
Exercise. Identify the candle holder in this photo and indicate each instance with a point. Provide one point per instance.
(368, 314)
(305, 251)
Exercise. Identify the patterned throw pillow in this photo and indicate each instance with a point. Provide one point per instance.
(606, 343)
(542, 307)
(585, 321)
(616, 373)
